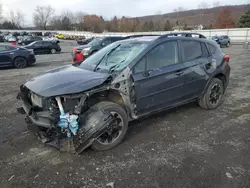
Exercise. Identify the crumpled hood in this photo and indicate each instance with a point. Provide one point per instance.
(65, 80)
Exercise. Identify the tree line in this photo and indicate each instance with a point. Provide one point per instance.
(44, 18)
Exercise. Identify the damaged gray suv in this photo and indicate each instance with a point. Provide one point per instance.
(91, 105)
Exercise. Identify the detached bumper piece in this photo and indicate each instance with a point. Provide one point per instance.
(94, 123)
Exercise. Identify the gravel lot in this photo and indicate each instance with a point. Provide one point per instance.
(186, 147)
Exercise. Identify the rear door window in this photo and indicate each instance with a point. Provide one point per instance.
(37, 38)
(46, 44)
(37, 44)
(211, 48)
(191, 50)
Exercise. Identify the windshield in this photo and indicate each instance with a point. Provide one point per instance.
(95, 41)
(114, 57)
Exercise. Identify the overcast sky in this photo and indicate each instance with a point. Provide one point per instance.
(109, 8)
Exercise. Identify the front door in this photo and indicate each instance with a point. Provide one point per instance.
(5, 56)
(46, 48)
(161, 85)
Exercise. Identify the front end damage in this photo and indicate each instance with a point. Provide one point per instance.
(67, 123)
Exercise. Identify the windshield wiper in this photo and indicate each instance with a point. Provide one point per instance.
(105, 56)
(111, 69)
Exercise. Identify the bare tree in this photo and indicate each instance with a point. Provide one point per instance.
(16, 18)
(1, 9)
(42, 16)
(178, 10)
(203, 5)
(79, 19)
(79, 16)
(70, 15)
(216, 4)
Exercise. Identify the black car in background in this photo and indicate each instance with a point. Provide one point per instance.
(14, 56)
(96, 44)
(29, 39)
(44, 47)
(223, 40)
(1, 38)
(84, 41)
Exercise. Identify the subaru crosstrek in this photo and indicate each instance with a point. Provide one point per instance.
(91, 105)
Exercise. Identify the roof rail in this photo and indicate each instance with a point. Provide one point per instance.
(135, 36)
(182, 34)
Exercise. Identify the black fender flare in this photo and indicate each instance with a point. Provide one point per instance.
(215, 75)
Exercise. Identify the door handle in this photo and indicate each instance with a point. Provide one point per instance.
(147, 73)
(179, 73)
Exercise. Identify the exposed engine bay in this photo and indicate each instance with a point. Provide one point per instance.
(67, 123)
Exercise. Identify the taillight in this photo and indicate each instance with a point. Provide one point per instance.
(227, 58)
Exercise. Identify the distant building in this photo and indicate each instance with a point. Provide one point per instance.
(187, 27)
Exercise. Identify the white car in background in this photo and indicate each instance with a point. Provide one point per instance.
(54, 39)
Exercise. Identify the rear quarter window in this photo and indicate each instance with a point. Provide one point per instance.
(211, 48)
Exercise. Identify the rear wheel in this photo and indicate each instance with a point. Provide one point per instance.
(53, 51)
(117, 131)
(213, 96)
(20, 62)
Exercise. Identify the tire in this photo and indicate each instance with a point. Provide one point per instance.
(207, 101)
(20, 62)
(53, 51)
(112, 107)
(228, 44)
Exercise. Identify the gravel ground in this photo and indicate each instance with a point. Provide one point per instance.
(186, 147)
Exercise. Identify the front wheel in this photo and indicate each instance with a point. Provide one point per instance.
(116, 133)
(228, 44)
(20, 62)
(53, 51)
(213, 96)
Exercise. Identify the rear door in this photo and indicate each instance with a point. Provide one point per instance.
(198, 63)
(5, 56)
(37, 47)
(46, 46)
(161, 85)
